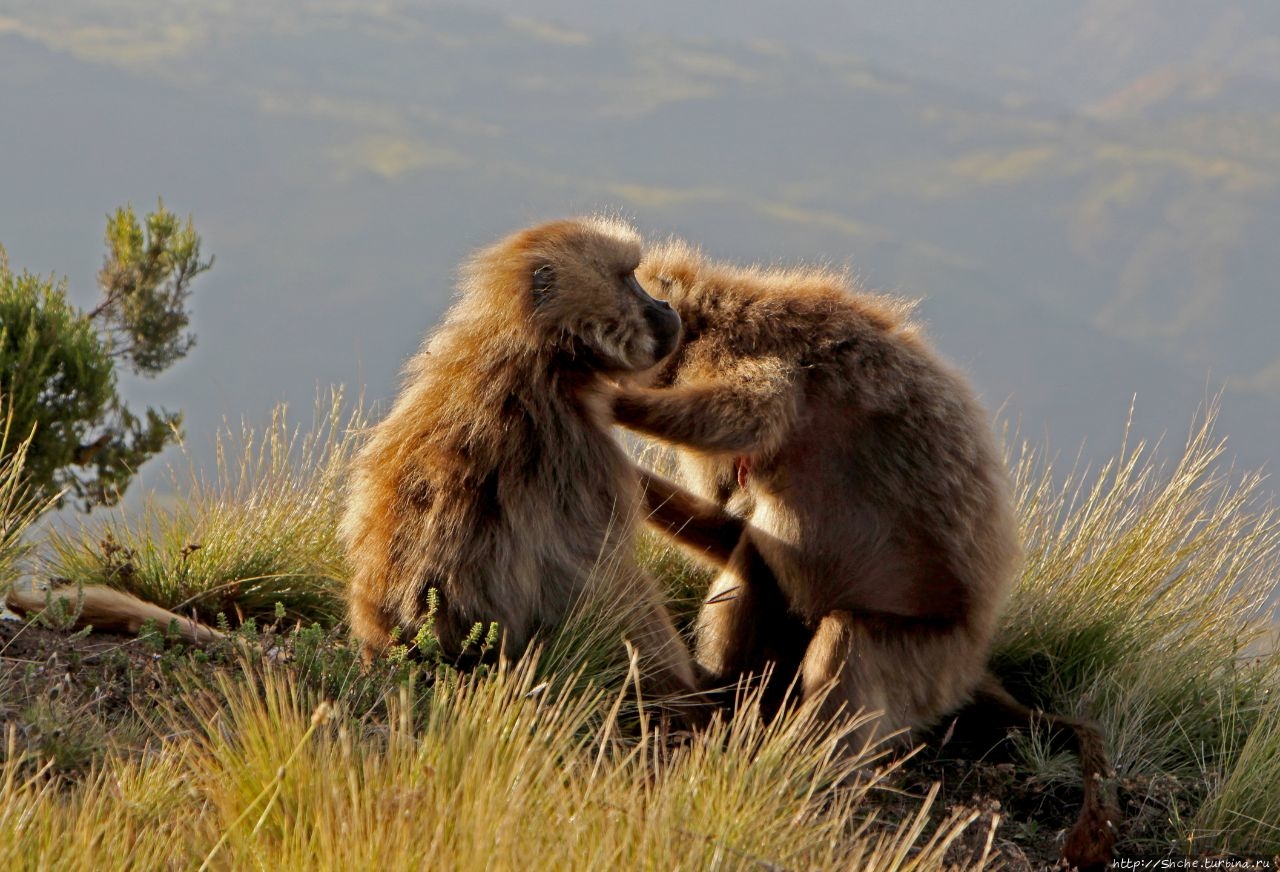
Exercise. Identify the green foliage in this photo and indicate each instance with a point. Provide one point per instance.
(58, 364)
(146, 280)
(56, 376)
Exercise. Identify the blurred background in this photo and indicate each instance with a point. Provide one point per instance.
(1083, 194)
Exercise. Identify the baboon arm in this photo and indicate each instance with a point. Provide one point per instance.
(745, 411)
(692, 521)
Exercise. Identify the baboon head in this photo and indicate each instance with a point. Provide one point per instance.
(575, 288)
(671, 272)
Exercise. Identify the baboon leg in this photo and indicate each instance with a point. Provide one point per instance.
(844, 661)
(1092, 839)
(667, 669)
(371, 624)
(692, 521)
(826, 663)
(746, 626)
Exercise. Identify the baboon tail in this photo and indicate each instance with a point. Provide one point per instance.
(106, 608)
(1092, 839)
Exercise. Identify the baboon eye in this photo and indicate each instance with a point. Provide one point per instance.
(543, 278)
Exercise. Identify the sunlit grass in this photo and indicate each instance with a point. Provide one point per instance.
(1145, 603)
(493, 773)
(125, 814)
(1146, 593)
(19, 508)
(261, 532)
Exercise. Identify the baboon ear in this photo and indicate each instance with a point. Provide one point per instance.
(543, 278)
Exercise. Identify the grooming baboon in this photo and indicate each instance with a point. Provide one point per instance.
(879, 540)
(489, 481)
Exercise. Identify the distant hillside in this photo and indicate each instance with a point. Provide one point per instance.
(1086, 219)
(1066, 52)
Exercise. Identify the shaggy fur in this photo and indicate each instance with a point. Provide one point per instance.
(490, 481)
(880, 541)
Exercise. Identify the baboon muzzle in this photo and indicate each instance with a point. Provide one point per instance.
(664, 324)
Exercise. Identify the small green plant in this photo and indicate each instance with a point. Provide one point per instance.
(61, 610)
(151, 636)
(478, 647)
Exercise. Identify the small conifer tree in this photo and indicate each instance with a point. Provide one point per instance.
(58, 364)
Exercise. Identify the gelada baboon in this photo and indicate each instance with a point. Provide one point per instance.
(879, 542)
(489, 481)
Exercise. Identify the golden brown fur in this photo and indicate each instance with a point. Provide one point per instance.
(879, 541)
(105, 608)
(489, 480)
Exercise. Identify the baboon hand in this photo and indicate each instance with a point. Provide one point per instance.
(599, 399)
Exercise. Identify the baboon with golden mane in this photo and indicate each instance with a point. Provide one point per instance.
(850, 487)
(490, 481)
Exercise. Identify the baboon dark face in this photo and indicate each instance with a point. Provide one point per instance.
(633, 333)
(686, 357)
(587, 298)
(663, 321)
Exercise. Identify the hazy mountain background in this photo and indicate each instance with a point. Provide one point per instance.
(1084, 193)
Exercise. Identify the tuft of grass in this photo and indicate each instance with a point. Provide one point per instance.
(506, 774)
(19, 507)
(262, 532)
(125, 814)
(1144, 594)
(1242, 811)
(684, 581)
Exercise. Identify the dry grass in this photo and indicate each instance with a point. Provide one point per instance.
(1145, 603)
(19, 508)
(494, 774)
(261, 532)
(1146, 594)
